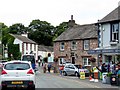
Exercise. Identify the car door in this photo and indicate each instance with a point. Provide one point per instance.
(67, 69)
(71, 70)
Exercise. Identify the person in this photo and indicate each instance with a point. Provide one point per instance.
(103, 68)
(61, 69)
(118, 69)
(49, 67)
(44, 67)
(39, 62)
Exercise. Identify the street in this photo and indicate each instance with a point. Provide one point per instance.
(52, 80)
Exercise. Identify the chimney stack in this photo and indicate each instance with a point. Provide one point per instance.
(71, 22)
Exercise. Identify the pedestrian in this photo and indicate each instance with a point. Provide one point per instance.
(103, 68)
(49, 67)
(44, 67)
(39, 62)
(61, 69)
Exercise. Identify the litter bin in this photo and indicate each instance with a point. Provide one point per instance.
(113, 79)
(118, 81)
(104, 77)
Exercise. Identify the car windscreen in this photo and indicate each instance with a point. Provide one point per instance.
(28, 58)
(77, 66)
(17, 66)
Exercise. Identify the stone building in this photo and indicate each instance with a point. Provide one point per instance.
(72, 45)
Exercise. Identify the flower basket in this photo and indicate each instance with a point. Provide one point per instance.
(92, 59)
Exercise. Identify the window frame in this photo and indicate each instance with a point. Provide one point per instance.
(73, 45)
(61, 60)
(86, 44)
(114, 37)
(87, 62)
(62, 46)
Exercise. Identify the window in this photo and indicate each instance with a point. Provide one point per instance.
(17, 66)
(26, 46)
(73, 45)
(86, 62)
(114, 32)
(86, 44)
(31, 47)
(34, 47)
(61, 61)
(62, 46)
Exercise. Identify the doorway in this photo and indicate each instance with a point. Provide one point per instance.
(73, 60)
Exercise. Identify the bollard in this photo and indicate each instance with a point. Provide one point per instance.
(95, 75)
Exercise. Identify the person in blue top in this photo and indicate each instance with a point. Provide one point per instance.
(118, 69)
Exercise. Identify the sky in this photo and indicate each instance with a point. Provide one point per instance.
(54, 11)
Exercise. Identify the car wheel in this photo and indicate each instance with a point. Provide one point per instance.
(31, 88)
(3, 88)
(76, 74)
(64, 73)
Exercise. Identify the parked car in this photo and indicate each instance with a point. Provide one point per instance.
(18, 74)
(71, 69)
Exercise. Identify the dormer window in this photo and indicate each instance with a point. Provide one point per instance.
(114, 32)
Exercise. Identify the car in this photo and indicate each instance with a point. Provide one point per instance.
(71, 69)
(18, 74)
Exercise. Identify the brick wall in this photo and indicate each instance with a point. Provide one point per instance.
(79, 53)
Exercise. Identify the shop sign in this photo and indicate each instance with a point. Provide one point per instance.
(99, 51)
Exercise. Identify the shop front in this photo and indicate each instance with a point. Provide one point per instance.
(107, 55)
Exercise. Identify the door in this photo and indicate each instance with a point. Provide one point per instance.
(73, 60)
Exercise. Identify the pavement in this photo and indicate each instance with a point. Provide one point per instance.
(98, 84)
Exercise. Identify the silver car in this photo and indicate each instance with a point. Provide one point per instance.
(71, 69)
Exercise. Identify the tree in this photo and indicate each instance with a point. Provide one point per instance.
(7, 40)
(60, 29)
(4, 33)
(18, 28)
(41, 32)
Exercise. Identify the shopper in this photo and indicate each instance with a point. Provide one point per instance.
(49, 67)
(103, 68)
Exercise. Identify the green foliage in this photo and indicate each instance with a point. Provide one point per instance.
(109, 74)
(41, 32)
(14, 50)
(17, 28)
(61, 28)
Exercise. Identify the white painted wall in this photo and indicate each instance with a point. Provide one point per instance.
(106, 35)
(45, 54)
(17, 41)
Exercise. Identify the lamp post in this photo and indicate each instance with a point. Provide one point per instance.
(1, 46)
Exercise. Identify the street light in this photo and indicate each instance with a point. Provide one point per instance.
(1, 51)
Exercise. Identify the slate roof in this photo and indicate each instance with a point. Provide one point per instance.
(45, 48)
(112, 16)
(23, 39)
(79, 32)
